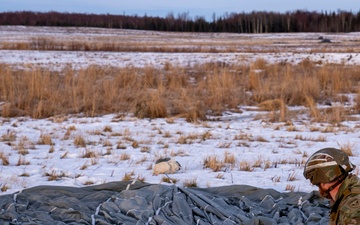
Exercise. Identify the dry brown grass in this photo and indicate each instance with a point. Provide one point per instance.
(87, 153)
(213, 163)
(21, 150)
(276, 179)
(180, 152)
(175, 42)
(259, 64)
(260, 139)
(292, 177)
(190, 183)
(23, 145)
(4, 158)
(9, 136)
(45, 139)
(128, 176)
(141, 178)
(4, 188)
(206, 135)
(243, 136)
(145, 149)
(125, 156)
(107, 129)
(314, 112)
(357, 102)
(271, 105)
(320, 138)
(291, 128)
(183, 140)
(152, 105)
(258, 162)
(55, 175)
(24, 175)
(108, 151)
(120, 145)
(88, 182)
(64, 155)
(107, 143)
(219, 176)
(84, 166)
(267, 164)
(135, 144)
(348, 148)
(224, 145)
(142, 160)
(245, 166)
(52, 149)
(290, 188)
(105, 44)
(188, 92)
(328, 129)
(170, 180)
(167, 134)
(229, 158)
(79, 141)
(22, 161)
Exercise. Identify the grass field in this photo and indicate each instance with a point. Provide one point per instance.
(77, 103)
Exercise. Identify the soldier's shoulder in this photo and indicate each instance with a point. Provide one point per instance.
(352, 194)
(352, 201)
(351, 186)
(350, 209)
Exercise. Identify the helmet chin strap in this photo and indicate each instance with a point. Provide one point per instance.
(326, 193)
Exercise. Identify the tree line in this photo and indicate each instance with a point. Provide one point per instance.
(252, 22)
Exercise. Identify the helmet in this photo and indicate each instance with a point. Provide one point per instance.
(326, 165)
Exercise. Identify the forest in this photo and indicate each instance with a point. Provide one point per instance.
(252, 22)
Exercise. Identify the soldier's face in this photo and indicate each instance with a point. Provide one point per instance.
(324, 190)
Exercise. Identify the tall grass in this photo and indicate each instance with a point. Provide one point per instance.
(189, 92)
(178, 42)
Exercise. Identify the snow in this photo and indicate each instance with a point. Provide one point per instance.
(250, 140)
(274, 153)
(59, 60)
(275, 48)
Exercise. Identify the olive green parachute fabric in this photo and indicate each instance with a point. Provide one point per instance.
(142, 203)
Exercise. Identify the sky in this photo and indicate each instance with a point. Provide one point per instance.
(203, 8)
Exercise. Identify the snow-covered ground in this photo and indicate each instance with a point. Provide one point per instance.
(245, 48)
(274, 154)
(267, 155)
(59, 60)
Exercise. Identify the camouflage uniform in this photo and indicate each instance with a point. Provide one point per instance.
(346, 208)
(330, 165)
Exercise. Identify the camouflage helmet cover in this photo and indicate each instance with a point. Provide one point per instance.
(326, 165)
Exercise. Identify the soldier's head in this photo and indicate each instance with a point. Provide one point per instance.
(328, 165)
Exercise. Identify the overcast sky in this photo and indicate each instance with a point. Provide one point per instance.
(161, 8)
